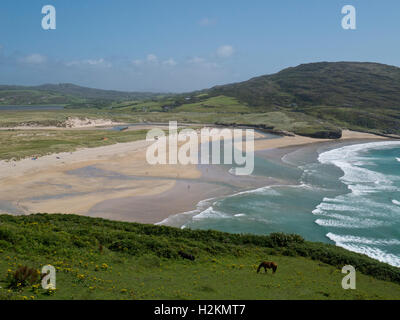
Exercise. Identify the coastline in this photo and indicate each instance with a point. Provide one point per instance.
(287, 149)
(115, 182)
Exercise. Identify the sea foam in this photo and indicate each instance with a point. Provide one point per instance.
(367, 246)
(349, 159)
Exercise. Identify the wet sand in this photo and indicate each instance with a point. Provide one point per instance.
(116, 182)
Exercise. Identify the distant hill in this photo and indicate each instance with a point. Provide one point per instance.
(64, 93)
(316, 99)
(90, 93)
(351, 84)
(359, 95)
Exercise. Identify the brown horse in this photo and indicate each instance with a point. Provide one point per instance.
(267, 265)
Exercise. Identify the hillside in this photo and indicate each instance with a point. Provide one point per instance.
(65, 93)
(102, 259)
(347, 94)
(316, 100)
(350, 84)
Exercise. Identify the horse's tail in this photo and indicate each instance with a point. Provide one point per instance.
(259, 267)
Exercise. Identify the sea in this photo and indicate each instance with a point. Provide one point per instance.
(348, 195)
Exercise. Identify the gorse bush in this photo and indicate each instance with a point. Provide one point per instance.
(23, 277)
(72, 235)
(283, 240)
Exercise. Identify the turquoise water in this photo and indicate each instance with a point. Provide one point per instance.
(349, 196)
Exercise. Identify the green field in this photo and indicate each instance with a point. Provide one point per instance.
(49, 117)
(34, 97)
(19, 144)
(101, 259)
(219, 104)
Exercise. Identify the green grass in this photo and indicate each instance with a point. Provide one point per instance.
(316, 99)
(141, 262)
(34, 97)
(368, 119)
(49, 117)
(219, 104)
(18, 144)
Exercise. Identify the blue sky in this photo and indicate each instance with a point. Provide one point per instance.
(183, 45)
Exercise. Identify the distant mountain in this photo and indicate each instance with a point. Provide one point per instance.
(90, 93)
(351, 84)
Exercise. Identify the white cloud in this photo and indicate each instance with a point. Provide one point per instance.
(225, 51)
(95, 62)
(137, 62)
(152, 58)
(89, 62)
(170, 62)
(207, 22)
(196, 60)
(34, 58)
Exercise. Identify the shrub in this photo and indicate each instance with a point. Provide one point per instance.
(279, 239)
(24, 276)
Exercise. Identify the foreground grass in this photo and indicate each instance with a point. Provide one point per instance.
(101, 259)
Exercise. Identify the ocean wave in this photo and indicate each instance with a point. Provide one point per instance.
(272, 190)
(365, 189)
(361, 206)
(349, 159)
(325, 206)
(172, 220)
(268, 190)
(396, 202)
(210, 212)
(368, 247)
(363, 240)
(181, 218)
(398, 159)
(205, 208)
(354, 150)
(346, 222)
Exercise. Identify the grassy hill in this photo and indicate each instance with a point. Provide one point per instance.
(65, 93)
(102, 259)
(316, 99)
(361, 96)
(350, 84)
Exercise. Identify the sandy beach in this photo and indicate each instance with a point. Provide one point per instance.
(116, 182)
